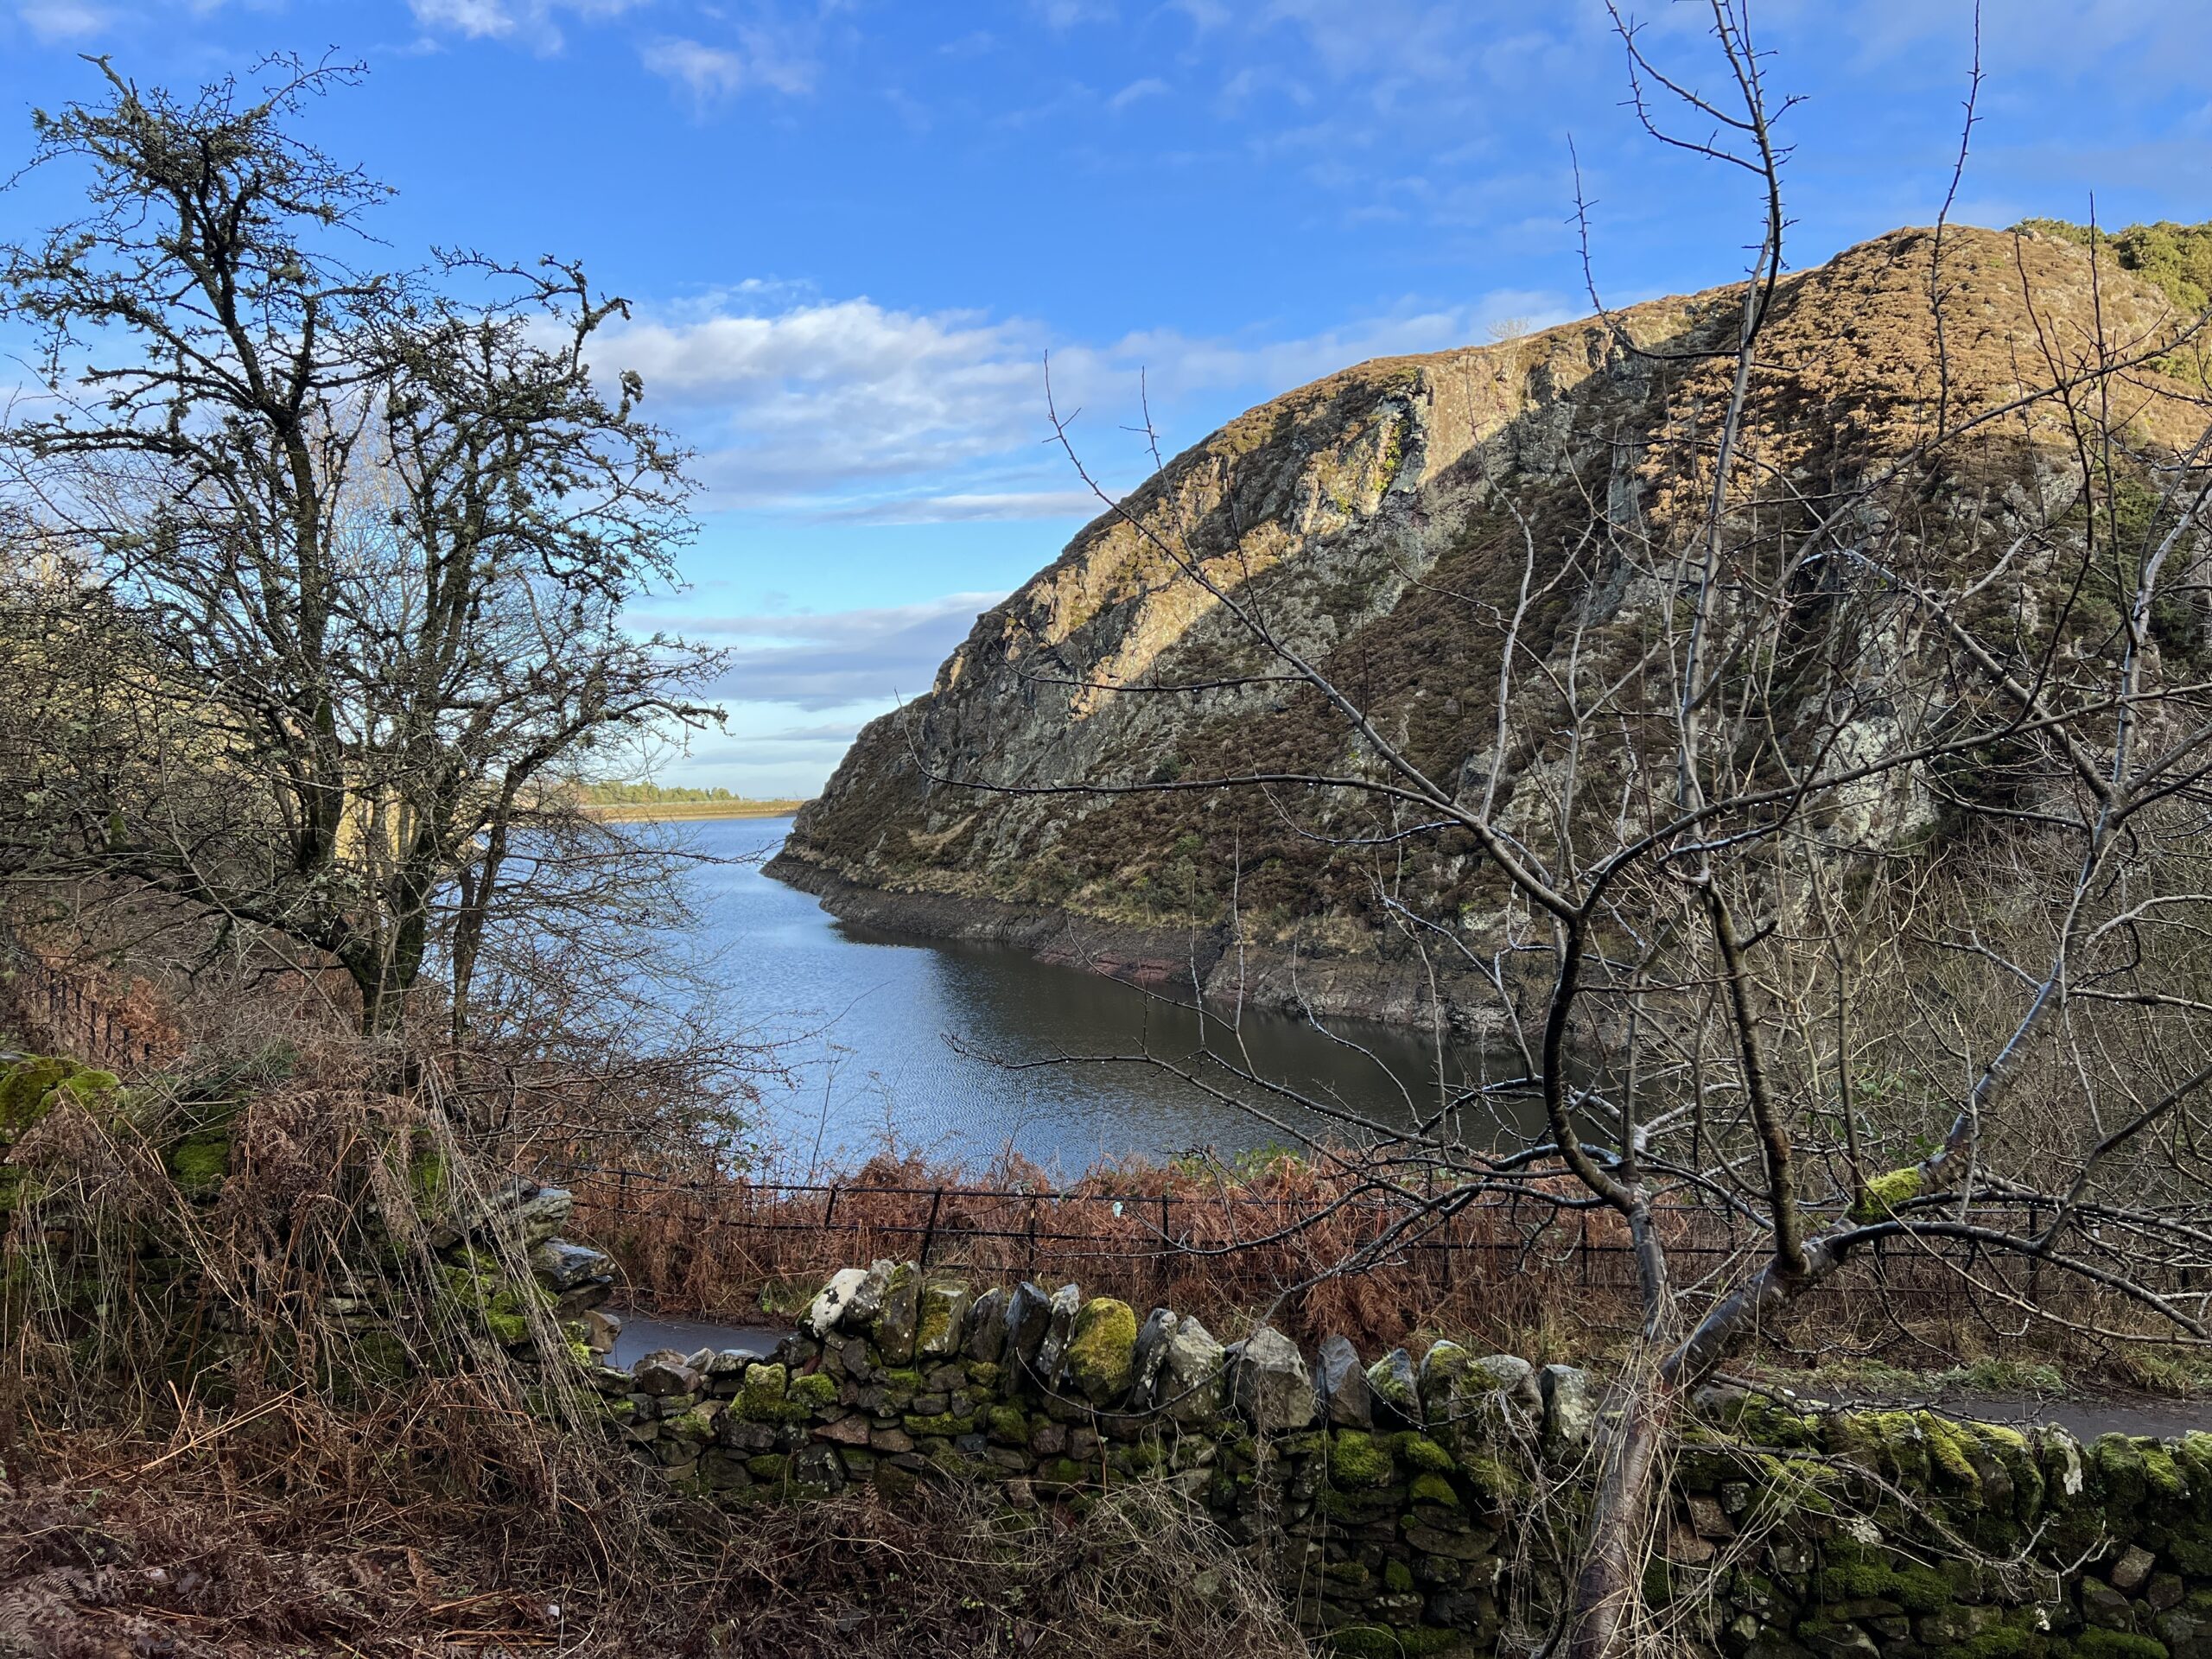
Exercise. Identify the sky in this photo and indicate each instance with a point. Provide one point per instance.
(852, 231)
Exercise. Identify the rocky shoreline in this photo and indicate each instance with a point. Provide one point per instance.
(1264, 977)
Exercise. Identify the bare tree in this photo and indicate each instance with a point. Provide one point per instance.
(1844, 795)
(371, 531)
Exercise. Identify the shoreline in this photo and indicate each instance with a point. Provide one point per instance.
(692, 812)
(1264, 977)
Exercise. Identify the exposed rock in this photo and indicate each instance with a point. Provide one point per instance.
(561, 1265)
(1351, 505)
(1059, 1325)
(987, 1327)
(1395, 1391)
(664, 1371)
(1570, 1408)
(1028, 1316)
(1513, 1380)
(866, 1299)
(1343, 1384)
(900, 1317)
(1150, 1353)
(827, 1310)
(944, 1317)
(1441, 1368)
(600, 1330)
(1191, 1377)
(544, 1212)
(1272, 1388)
(2133, 1568)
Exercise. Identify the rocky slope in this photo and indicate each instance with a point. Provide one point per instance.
(1383, 521)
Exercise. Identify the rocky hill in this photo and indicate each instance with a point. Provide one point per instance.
(1376, 517)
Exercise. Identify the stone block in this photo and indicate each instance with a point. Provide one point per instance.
(1272, 1388)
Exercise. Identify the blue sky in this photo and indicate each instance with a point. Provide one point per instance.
(853, 230)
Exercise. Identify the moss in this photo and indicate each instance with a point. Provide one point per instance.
(1356, 1459)
(1950, 1457)
(508, 1330)
(1886, 1443)
(427, 1175)
(1006, 1425)
(760, 1399)
(943, 1424)
(1498, 1482)
(2005, 1642)
(812, 1392)
(2117, 1644)
(697, 1424)
(1418, 1451)
(1853, 1577)
(2118, 1463)
(201, 1163)
(769, 1465)
(1885, 1194)
(1431, 1487)
(2161, 1476)
(944, 1302)
(1397, 1577)
(984, 1373)
(1102, 1349)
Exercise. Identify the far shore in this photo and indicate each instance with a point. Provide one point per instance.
(660, 811)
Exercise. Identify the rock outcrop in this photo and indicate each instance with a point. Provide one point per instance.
(1375, 517)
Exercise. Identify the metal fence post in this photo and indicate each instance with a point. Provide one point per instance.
(929, 1229)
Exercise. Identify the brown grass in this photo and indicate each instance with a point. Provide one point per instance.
(1520, 1274)
(250, 1547)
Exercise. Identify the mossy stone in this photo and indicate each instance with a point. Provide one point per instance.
(2117, 1644)
(1102, 1349)
(1418, 1451)
(760, 1397)
(812, 1392)
(1358, 1460)
(1431, 1487)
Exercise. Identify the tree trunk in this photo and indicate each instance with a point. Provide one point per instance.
(1609, 1588)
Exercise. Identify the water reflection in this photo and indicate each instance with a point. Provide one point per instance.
(930, 1045)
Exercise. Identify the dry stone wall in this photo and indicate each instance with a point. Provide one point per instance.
(1415, 1507)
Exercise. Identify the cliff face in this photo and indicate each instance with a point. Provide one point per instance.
(1382, 522)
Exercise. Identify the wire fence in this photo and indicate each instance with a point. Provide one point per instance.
(711, 1247)
(66, 1011)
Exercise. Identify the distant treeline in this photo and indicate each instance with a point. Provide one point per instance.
(651, 795)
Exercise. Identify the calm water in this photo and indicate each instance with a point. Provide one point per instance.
(891, 1040)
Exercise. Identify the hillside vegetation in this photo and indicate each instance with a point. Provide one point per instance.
(1387, 520)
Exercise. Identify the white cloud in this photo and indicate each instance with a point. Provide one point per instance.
(833, 659)
(972, 508)
(1136, 91)
(828, 406)
(536, 22)
(777, 60)
(54, 21)
(1066, 14)
(707, 72)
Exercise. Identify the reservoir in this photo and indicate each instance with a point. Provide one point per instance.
(894, 1044)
